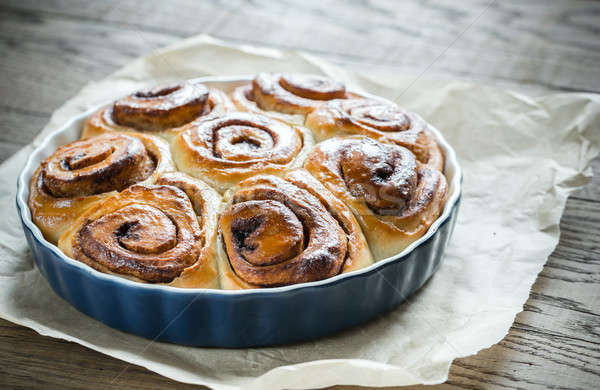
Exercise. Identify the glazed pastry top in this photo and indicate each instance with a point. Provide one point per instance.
(234, 191)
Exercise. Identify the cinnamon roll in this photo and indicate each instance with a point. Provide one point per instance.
(377, 119)
(83, 172)
(159, 110)
(280, 231)
(222, 150)
(394, 197)
(161, 233)
(287, 96)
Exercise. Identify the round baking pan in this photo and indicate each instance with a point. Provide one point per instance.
(240, 318)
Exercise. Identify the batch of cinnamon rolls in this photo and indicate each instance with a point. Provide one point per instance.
(281, 180)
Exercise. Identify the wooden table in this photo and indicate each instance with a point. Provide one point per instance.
(50, 50)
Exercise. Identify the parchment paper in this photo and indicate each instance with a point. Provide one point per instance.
(521, 157)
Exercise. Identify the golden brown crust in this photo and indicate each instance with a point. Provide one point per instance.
(380, 120)
(148, 232)
(160, 111)
(287, 96)
(151, 233)
(83, 172)
(161, 108)
(222, 150)
(206, 203)
(280, 231)
(358, 255)
(243, 100)
(94, 166)
(280, 224)
(394, 197)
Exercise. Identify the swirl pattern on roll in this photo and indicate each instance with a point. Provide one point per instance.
(225, 149)
(159, 110)
(83, 172)
(148, 232)
(394, 197)
(287, 94)
(380, 120)
(205, 203)
(280, 231)
(97, 165)
(162, 233)
(237, 195)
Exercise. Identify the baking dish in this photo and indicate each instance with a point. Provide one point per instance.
(235, 319)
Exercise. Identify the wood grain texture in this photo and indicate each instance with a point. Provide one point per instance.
(53, 48)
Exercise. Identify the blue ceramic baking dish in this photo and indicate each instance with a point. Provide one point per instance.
(236, 319)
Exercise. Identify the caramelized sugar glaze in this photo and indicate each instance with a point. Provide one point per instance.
(380, 120)
(279, 231)
(225, 149)
(118, 204)
(83, 172)
(160, 110)
(153, 233)
(287, 96)
(394, 197)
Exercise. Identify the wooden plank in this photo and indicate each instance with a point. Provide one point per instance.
(18, 125)
(545, 43)
(17, 128)
(30, 361)
(84, 49)
(53, 58)
(553, 342)
(561, 363)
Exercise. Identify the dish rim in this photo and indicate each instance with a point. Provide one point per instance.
(455, 185)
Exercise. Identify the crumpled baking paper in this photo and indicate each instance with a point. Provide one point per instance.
(521, 158)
